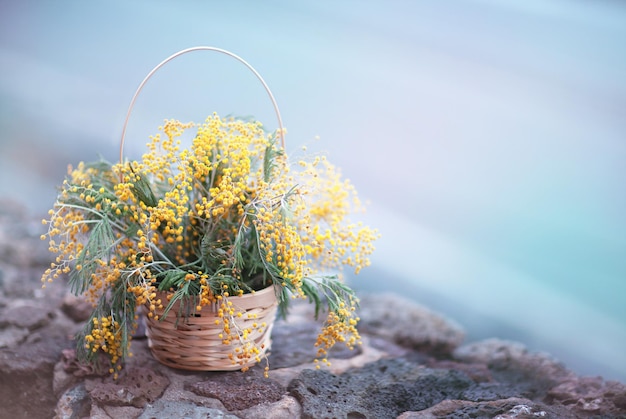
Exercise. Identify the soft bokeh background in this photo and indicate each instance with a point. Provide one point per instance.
(489, 137)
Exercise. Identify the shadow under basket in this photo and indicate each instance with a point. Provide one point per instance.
(192, 342)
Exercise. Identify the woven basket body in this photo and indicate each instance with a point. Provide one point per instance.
(192, 342)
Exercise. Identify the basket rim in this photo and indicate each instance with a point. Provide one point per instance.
(200, 346)
(263, 298)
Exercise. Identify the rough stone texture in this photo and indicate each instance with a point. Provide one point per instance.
(286, 408)
(26, 316)
(114, 412)
(74, 403)
(532, 373)
(27, 374)
(395, 318)
(297, 340)
(239, 391)
(382, 389)
(497, 409)
(76, 308)
(476, 371)
(136, 387)
(12, 336)
(591, 396)
(410, 365)
(184, 409)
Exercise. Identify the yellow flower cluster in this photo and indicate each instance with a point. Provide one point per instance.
(240, 339)
(226, 216)
(329, 237)
(340, 326)
(105, 336)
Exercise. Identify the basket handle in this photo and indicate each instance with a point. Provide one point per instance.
(185, 51)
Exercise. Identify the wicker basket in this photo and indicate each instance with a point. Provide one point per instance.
(192, 342)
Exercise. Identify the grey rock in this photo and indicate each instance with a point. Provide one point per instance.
(27, 370)
(532, 373)
(382, 389)
(74, 403)
(409, 324)
(498, 409)
(114, 412)
(478, 372)
(239, 391)
(591, 396)
(12, 336)
(62, 380)
(285, 408)
(135, 387)
(76, 308)
(294, 344)
(411, 364)
(27, 316)
(182, 410)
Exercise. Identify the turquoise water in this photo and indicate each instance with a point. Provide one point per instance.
(490, 138)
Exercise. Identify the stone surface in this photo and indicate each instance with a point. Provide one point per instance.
(497, 409)
(26, 316)
(136, 387)
(591, 396)
(26, 377)
(382, 389)
(12, 336)
(74, 403)
(532, 373)
(286, 408)
(114, 412)
(411, 364)
(183, 409)
(239, 391)
(76, 308)
(395, 318)
(294, 344)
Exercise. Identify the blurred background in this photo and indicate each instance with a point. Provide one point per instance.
(488, 137)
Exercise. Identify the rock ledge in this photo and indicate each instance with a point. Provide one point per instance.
(412, 364)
